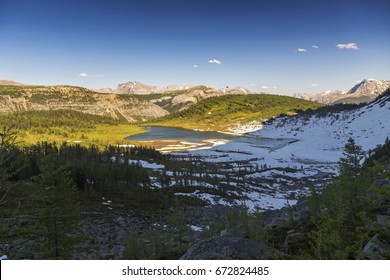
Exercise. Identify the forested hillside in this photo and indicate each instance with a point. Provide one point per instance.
(68, 125)
(220, 113)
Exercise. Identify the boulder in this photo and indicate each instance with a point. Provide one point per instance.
(224, 247)
(383, 219)
(381, 182)
(118, 251)
(377, 248)
(279, 222)
(29, 250)
(12, 234)
(285, 217)
(293, 238)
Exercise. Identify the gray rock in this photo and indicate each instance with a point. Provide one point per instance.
(383, 219)
(228, 248)
(28, 251)
(226, 232)
(109, 257)
(120, 221)
(381, 182)
(293, 238)
(121, 235)
(378, 248)
(388, 211)
(279, 222)
(298, 214)
(212, 256)
(237, 231)
(80, 256)
(118, 251)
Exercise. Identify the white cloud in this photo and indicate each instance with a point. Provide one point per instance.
(349, 46)
(275, 87)
(215, 61)
(195, 66)
(301, 50)
(314, 85)
(83, 75)
(265, 87)
(252, 85)
(99, 75)
(315, 47)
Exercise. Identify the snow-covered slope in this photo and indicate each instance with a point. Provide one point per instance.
(294, 152)
(322, 138)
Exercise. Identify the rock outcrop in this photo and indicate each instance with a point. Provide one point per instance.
(377, 248)
(228, 248)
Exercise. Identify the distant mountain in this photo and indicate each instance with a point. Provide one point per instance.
(134, 87)
(326, 97)
(104, 90)
(174, 98)
(9, 82)
(236, 90)
(178, 100)
(363, 92)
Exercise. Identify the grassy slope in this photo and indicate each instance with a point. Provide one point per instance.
(220, 113)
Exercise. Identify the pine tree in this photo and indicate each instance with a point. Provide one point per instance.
(349, 163)
(340, 230)
(56, 200)
(7, 141)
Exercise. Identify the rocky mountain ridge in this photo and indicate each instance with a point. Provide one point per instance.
(22, 98)
(363, 92)
(136, 102)
(4, 81)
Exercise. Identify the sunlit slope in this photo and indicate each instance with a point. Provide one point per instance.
(67, 125)
(221, 113)
(126, 107)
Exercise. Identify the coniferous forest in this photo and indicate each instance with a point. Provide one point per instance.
(49, 191)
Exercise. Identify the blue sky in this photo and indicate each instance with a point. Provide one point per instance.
(275, 46)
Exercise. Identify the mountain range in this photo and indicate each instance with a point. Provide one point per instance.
(132, 101)
(135, 101)
(138, 88)
(363, 92)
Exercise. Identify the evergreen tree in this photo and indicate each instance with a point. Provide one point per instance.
(56, 200)
(7, 141)
(349, 163)
(339, 230)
